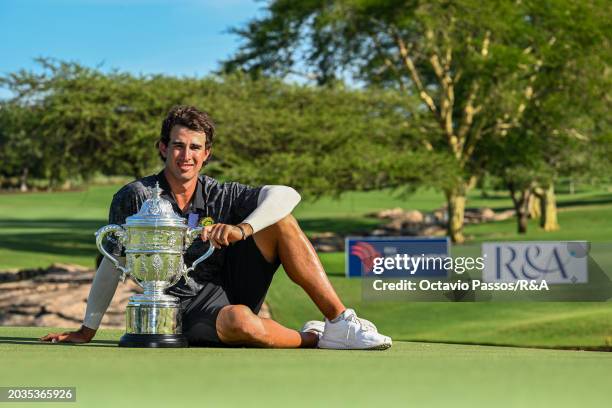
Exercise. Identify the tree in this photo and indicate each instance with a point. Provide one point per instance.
(20, 146)
(320, 140)
(77, 120)
(566, 118)
(517, 160)
(85, 121)
(472, 64)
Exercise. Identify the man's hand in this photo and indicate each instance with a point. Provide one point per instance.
(83, 335)
(224, 234)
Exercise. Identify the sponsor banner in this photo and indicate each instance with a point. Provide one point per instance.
(575, 271)
(390, 257)
(561, 262)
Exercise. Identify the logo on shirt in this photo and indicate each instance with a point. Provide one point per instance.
(206, 221)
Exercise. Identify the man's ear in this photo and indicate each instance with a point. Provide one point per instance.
(208, 154)
(163, 149)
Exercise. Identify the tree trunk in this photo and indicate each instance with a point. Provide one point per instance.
(23, 180)
(456, 207)
(535, 207)
(548, 205)
(521, 199)
(522, 219)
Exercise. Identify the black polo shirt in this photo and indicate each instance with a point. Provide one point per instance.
(226, 203)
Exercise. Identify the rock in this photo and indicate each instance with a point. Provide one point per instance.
(504, 215)
(429, 219)
(67, 268)
(478, 215)
(327, 248)
(441, 215)
(395, 225)
(327, 242)
(411, 229)
(390, 213)
(413, 217)
(487, 214)
(57, 297)
(325, 235)
(433, 231)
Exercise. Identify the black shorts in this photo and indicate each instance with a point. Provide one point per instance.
(245, 281)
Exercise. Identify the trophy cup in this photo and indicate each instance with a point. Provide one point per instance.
(154, 239)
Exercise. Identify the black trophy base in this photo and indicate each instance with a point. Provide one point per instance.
(153, 340)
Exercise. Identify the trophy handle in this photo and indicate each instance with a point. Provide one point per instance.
(189, 237)
(120, 233)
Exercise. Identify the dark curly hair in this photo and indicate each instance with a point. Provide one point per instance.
(191, 118)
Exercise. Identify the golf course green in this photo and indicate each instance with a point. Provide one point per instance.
(408, 374)
(443, 353)
(37, 229)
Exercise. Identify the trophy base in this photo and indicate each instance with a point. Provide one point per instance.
(153, 340)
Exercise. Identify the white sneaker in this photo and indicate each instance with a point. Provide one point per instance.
(318, 327)
(366, 324)
(314, 326)
(352, 333)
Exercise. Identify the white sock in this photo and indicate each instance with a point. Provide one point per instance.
(339, 317)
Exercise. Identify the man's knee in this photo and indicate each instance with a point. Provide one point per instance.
(288, 223)
(237, 324)
(267, 240)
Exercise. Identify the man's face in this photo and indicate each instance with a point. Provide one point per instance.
(185, 153)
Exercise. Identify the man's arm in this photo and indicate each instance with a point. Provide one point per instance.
(100, 295)
(273, 204)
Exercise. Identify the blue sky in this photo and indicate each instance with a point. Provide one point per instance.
(179, 37)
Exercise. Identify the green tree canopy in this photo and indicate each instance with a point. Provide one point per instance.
(473, 65)
(72, 121)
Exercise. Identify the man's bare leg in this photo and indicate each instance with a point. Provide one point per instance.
(237, 324)
(286, 241)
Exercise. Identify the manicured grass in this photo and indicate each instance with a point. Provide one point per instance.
(38, 229)
(408, 374)
(590, 222)
(552, 324)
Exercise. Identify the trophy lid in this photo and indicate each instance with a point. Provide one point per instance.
(155, 212)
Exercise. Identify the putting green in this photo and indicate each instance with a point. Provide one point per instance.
(409, 374)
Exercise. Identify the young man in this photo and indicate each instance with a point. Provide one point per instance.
(253, 231)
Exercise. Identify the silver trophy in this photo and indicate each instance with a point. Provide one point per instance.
(154, 240)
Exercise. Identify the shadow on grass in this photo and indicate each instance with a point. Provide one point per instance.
(598, 199)
(73, 237)
(82, 231)
(607, 348)
(74, 244)
(88, 224)
(341, 226)
(562, 202)
(34, 341)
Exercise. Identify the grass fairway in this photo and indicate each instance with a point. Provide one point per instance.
(37, 229)
(41, 228)
(408, 374)
(531, 324)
